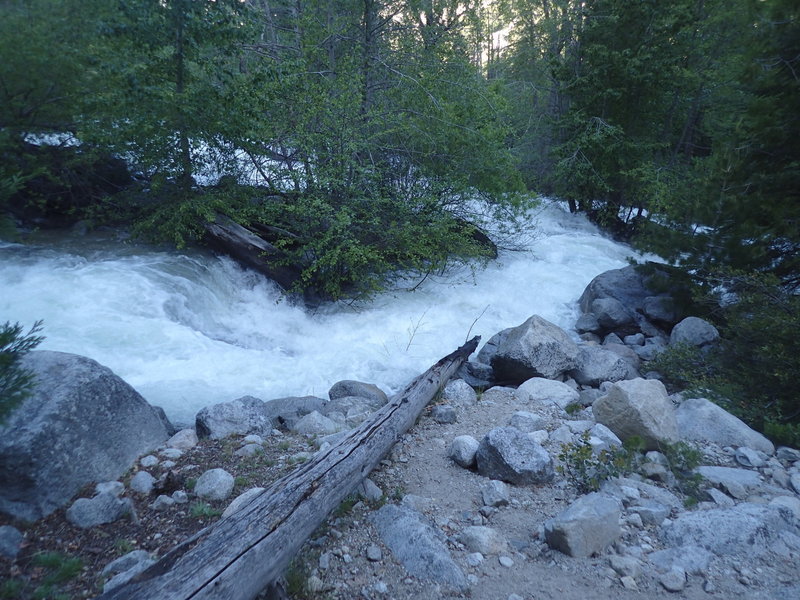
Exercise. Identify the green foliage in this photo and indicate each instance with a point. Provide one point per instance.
(16, 383)
(587, 470)
(123, 546)
(11, 589)
(60, 567)
(346, 506)
(682, 459)
(752, 371)
(203, 510)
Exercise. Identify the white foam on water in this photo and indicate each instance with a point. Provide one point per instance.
(189, 330)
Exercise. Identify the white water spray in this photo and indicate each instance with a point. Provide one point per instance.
(191, 330)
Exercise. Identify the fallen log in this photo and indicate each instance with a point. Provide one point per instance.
(239, 556)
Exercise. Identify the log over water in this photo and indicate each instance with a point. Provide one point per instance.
(239, 556)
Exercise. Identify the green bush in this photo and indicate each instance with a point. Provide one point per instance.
(16, 383)
(587, 471)
(753, 371)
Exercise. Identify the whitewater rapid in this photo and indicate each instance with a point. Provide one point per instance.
(191, 329)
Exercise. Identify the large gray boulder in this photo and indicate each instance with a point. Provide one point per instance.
(418, 547)
(539, 390)
(82, 424)
(695, 332)
(248, 415)
(242, 416)
(508, 454)
(702, 420)
(625, 285)
(612, 315)
(745, 529)
(586, 527)
(537, 348)
(638, 407)
(596, 365)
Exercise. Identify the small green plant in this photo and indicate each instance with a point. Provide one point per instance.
(346, 506)
(190, 483)
(682, 460)
(203, 510)
(296, 577)
(240, 481)
(11, 589)
(587, 470)
(60, 567)
(123, 546)
(573, 408)
(398, 493)
(285, 445)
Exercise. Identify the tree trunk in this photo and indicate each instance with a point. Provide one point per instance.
(237, 557)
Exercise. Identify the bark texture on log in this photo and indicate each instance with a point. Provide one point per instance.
(250, 249)
(239, 556)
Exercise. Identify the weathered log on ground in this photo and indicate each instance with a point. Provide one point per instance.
(239, 556)
(250, 249)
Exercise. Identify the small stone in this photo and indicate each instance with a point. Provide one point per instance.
(347, 559)
(249, 450)
(474, 559)
(709, 587)
(128, 561)
(162, 502)
(629, 583)
(314, 584)
(183, 440)
(214, 484)
(494, 493)
(102, 508)
(369, 491)
(10, 541)
(142, 482)
(787, 454)
(380, 588)
(374, 553)
(625, 565)
(443, 413)
(673, 580)
(168, 464)
(747, 457)
(506, 561)
(115, 488)
(180, 497)
(325, 561)
(148, 461)
(171, 453)
(463, 449)
(253, 439)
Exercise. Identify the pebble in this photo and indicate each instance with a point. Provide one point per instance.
(673, 580)
(629, 583)
(474, 559)
(374, 553)
(148, 461)
(325, 561)
(380, 588)
(506, 561)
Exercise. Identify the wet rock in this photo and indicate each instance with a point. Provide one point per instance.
(347, 387)
(509, 455)
(586, 527)
(537, 348)
(238, 417)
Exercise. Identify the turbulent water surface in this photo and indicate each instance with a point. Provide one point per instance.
(188, 330)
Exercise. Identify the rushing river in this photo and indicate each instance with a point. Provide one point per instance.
(188, 330)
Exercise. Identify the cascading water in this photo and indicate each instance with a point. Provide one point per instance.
(189, 330)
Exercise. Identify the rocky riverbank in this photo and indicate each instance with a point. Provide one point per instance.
(549, 469)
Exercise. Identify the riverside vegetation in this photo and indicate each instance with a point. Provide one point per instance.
(359, 140)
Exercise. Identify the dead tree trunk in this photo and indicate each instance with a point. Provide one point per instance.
(237, 557)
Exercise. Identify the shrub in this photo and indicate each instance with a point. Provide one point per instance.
(16, 383)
